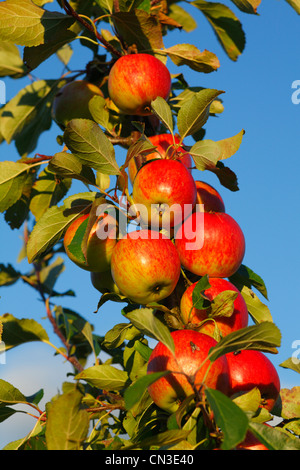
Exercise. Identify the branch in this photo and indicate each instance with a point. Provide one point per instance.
(71, 12)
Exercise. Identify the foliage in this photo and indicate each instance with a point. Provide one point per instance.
(107, 406)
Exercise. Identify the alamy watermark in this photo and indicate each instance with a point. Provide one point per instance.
(156, 218)
(296, 353)
(296, 94)
(2, 353)
(2, 92)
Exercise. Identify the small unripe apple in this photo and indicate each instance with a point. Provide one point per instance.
(251, 368)
(210, 243)
(100, 241)
(145, 266)
(191, 350)
(137, 79)
(210, 197)
(164, 149)
(164, 192)
(225, 324)
(72, 101)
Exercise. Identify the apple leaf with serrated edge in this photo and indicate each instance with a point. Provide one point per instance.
(265, 336)
(89, 144)
(54, 222)
(162, 110)
(104, 376)
(194, 112)
(144, 319)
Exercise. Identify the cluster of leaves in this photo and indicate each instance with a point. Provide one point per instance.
(107, 406)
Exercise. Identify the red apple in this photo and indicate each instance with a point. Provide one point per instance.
(210, 243)
(100, 242)
(145, 266)
(251, 368)
(251, 442)
(164, 149)
(104, 282)
(164, 192)
(225, 324)
(137, 79)
(210, 197)
(72, 101)
(191, 350)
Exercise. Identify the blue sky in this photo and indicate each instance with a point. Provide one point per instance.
(257, 98)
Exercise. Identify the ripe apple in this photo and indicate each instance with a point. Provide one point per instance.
(104, 282)
(72, 101)
(191, 350)
(164, 149)
(225, 324)
(210, 243)
(145, 266)
(137, 79)
(251, 442)
(164, 192)
(251, 368)
(210, 197)
(100, 242)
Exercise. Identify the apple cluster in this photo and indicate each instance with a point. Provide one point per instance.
(183, 235)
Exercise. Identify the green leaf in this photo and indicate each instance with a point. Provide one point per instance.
(247, 6)
(245, 276)
(8, 275)
(162, 110)
(295, 4)
(13, 177)
(67, 165)
(104, 376)
(272, 438)
(25, 24)
(51, 227)
(89, 144)
(229, 417)
(230, 145)
(292, 363)
(180, 15)
(257, 309)
(226, 25)
(67, 424)
(198, 297)
(139, 28)
(135, 392)
(28, 114)
(187, 54)
(47, 191)
(264, 337)
(194, 112)
(9, 394)
(144, 319)
(19, 331)
(206, 154)
(11, 64)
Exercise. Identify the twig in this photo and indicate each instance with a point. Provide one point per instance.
(71, 12)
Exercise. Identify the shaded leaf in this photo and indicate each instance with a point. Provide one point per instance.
(19, 331)
(247, 6)
(162, 110)
(8, 275)
(205, 153)
(13, 177)
(11, 64)
(226, 25)
(67, 165)
(245, 276)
